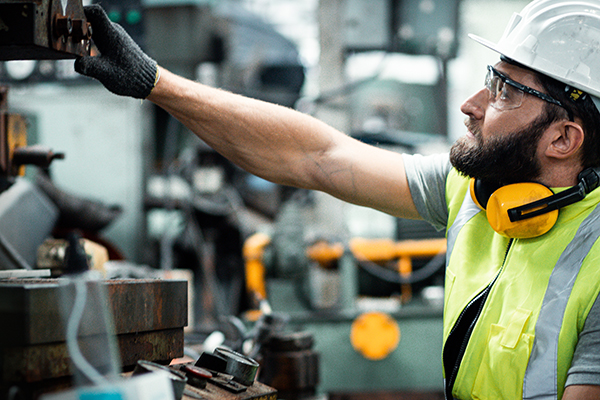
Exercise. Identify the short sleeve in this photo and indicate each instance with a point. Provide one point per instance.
(585, 367)
(426, 177)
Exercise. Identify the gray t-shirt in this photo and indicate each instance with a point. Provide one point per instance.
(427, 181)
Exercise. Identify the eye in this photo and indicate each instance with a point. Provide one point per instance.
(494, 85)
(505, 92)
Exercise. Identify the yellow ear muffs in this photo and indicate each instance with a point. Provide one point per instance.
(513, 196)
(499, 202)
(527, 210)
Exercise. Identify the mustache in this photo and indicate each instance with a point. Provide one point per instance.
(472, 126)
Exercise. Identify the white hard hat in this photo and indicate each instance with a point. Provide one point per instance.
(558, 38)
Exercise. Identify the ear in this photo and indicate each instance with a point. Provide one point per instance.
(565, 141)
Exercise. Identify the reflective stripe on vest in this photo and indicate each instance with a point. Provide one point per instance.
(468, 210)
(547, 329)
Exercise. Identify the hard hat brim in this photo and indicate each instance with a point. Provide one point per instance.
(485, 42)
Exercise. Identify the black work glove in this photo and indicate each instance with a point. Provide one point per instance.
(122, 67)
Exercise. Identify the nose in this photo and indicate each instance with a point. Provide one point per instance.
(475, 105)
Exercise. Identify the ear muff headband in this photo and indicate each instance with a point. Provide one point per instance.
(526, 210)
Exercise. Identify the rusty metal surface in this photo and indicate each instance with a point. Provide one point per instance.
(16, 138)
(292, 371)
(13, 134)
(158, 346)
(49, 361)
(213, 392)
(31, 308)
(163, 302)
(3, 131)
(4, 160)
(291, 365)
(42, 29)
(34, 363)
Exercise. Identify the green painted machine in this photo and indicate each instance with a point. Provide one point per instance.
(373, 306)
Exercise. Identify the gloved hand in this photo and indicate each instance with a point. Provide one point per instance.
(122, 67)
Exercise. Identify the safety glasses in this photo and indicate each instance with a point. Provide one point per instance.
(506, 94)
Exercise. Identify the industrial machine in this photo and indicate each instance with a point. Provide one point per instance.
(35, 216)
(40, 236)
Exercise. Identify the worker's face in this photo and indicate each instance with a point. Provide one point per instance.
(501, 145)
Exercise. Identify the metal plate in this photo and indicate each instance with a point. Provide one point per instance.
(49, 361)
(27, 217)
(214, 392)
(30, 307)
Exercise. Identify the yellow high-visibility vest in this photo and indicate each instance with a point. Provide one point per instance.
(540, 291)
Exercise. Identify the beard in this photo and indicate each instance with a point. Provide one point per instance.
(503, 159)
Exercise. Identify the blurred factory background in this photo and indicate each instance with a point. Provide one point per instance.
(353, 296)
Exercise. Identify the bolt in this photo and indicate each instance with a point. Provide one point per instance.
(63, 26)
(82, 30)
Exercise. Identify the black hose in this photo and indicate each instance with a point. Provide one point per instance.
(427, 271)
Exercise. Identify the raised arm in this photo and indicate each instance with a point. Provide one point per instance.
(287, 147)
(270, 141)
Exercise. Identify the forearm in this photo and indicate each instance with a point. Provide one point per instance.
(581, 392)
(287, 147)
(274, 142)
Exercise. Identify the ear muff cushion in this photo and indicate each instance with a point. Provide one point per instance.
(481, 191)
(473, 191)
(515, 195)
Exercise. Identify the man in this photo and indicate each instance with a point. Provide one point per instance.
(520, 316)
